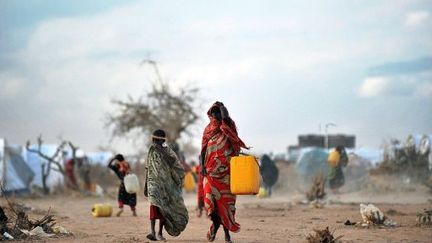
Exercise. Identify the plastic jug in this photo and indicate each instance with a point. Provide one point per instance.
(333, 158)
(101, 210)
(131, 183)
(189, 182)
(262, 193)
(245, 175)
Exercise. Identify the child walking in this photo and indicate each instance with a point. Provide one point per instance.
(163, 187)
(122, 168)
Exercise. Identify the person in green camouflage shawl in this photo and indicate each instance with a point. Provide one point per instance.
(163, 187)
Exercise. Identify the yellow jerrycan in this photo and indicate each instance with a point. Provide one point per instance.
(245, 175)
(262, 193)
(333, 158)
(101, 210)
(189, 182)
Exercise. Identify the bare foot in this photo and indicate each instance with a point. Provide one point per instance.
(134, 213)
(211, 235)
(160, 237)
(151, 237)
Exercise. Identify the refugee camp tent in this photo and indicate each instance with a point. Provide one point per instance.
(102, 157)
(425, 146)
(430, 161)
(312, 161)
(15, 175)
(371, 155)
(413, 141)
(293, 153)
(421, 143)
(34, 161)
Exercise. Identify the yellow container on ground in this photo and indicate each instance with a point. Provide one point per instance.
(333, 158)
(245, 175)
(262, 193)
(189, 182)
(102, 210)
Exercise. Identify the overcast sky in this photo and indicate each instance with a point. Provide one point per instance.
(281, 67)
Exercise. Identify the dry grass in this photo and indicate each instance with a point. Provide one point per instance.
(317, 190)
(323, 236)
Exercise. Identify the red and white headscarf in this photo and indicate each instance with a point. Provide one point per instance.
(227, 127)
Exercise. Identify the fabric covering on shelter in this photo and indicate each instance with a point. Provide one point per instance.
(34, 161)
(15, 174)
(165, 177)
(311, 162)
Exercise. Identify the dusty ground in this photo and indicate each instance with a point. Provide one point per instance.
(279, 219)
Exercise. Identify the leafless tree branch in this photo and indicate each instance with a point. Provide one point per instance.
(174, 112)
(51, 160)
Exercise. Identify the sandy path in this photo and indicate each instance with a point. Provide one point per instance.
(262, 220)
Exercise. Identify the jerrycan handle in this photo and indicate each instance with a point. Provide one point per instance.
(246, 154)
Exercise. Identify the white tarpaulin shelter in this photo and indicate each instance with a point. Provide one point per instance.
(372, 155)
(311, 161)
(15, 175)
(35, 162)
(101, 158)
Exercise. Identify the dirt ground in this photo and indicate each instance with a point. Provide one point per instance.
(277, 219)
(281, 218)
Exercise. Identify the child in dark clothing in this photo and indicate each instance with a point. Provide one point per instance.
(122, 168)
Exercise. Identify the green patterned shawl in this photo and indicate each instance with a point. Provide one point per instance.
(165, 177)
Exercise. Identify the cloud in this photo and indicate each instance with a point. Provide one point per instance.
(411, 78)
(10, 87)
(424, 90)
(251, 56)
(373, 86)
(418, 65)
(417, 18)
(398, 86)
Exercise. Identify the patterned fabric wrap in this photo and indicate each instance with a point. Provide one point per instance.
(200, 187)
(165, 177)
(220, 142)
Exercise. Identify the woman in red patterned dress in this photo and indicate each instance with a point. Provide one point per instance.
(220, 142)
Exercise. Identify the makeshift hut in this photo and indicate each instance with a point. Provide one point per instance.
(15, 175)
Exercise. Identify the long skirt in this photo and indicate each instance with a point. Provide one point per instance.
(126, 198)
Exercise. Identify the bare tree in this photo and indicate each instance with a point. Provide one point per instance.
(71, 182)
(82, 164)
(51, 160)
(73, 148)
(174, 112)
(54, 162)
